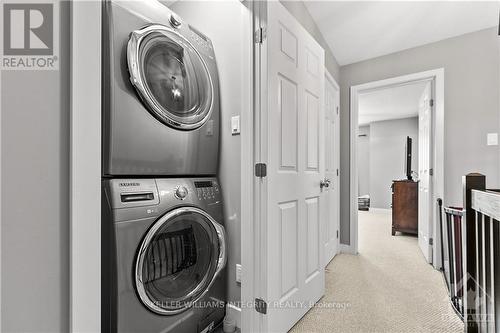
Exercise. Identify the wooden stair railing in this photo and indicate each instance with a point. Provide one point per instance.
(481, 255)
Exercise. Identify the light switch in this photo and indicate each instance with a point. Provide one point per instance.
(238, 273)
(492, 139)
(235, 125)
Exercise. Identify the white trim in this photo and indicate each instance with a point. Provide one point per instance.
(1, 203)
(353, 179)
(437, 76)
(381, 210)
(331, 79)
(344, 248)
(252, 278)
(246, 319)
(234, 312)
(85, 167)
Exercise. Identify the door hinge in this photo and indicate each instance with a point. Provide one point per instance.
(337, 172)
(431, 102)
(431, 172)
(260, 170)
(431, 241)
(260, 306)
(259, 36)
(337, 234)
(337, 110)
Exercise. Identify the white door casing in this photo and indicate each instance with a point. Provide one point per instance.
(424, 172)
(292, 144)
(332, 159)
(436, 76)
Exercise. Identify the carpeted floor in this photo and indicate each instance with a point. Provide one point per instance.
(388, 287)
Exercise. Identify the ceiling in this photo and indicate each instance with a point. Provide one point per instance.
(390, 103)
(357, 31)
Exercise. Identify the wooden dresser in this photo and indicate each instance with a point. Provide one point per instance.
(404, 206)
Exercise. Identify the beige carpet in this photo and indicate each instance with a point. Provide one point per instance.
(388, 287)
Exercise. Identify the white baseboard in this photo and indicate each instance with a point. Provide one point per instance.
(234, 312)
(345, 248)
(381, 210)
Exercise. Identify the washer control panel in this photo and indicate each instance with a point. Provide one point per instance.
(207, 190)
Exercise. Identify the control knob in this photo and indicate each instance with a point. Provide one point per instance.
(175, 21)
(181, 192)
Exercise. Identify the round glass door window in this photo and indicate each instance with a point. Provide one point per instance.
(179, 259)
(170, 76)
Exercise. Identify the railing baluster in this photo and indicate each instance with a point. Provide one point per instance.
(496, 275)
(478, 268)
(457, 219)
(487, 271)
(453, 266)
(451, 258)
(484, 310)
(493, 246)
(465, 253)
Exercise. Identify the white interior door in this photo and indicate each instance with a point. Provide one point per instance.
(424, 173)
(332, 155)
(293, 146)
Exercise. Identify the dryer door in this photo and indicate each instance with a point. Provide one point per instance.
(170, 76)
(179, 259)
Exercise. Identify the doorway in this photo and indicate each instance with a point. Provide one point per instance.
(429, 163)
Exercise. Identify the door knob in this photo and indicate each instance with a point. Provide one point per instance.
(324, 183)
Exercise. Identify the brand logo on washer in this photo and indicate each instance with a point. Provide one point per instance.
(129, 184)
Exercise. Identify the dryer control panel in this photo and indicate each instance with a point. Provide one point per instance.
(207, 190)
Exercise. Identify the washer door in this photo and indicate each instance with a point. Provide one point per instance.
(179, 259)
(170, 76)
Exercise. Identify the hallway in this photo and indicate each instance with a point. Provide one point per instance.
(388, 287)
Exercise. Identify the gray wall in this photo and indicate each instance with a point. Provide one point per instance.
(471, 64)
(364, 160)
(387, 156)
(35, 190)
(228, 46)
(300, 12)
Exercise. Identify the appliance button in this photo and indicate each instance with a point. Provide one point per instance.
(175, 21)
(181, 192)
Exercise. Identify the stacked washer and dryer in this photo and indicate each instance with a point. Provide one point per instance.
(163, 239)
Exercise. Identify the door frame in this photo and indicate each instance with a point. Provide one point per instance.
(329, 77)
(437, 77)
(252, 280)
(85, 166)
(249, 228)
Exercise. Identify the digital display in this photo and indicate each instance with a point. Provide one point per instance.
(202, 184)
